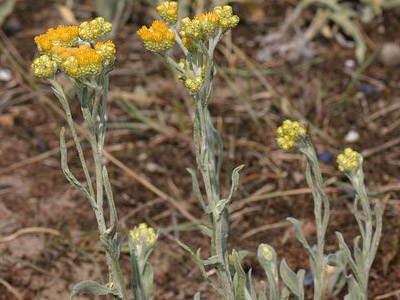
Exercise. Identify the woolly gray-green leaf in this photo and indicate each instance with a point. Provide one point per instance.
(91, 287)
(300, 235)
(64, 166)
(239, 282)
(377, 235)
(196, 189)
(290, 279)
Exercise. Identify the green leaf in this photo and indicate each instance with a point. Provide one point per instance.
(64, 166)
(300, 235)
(239, 280)
(377, 235)
(349, 27)
(290, 279)
(6, 8)
(148, 280)
(91, 287)
(111, 204)
(196, 189)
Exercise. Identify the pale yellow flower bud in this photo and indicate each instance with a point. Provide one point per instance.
(289, 133)
(168, 11)
(44, 67)
(349, 160)
(93, 30)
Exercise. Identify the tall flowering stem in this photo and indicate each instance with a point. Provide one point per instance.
(87, 67)
(293, 134)
(350, 163)
(198, 38)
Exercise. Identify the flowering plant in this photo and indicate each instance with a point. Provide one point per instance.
(86, 61)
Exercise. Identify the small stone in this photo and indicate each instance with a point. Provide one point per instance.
(352, 136)
(5, 75)
(390, 54)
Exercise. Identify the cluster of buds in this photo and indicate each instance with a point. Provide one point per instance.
(168, 11)
(349, 160)
(143, 235)
(157, 38)
(60, 49)
(93, 30)
(204, 25)
(290, 133)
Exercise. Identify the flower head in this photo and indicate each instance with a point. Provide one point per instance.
(79, 61)
(289, 133)
(226, 18)
(143, 234)
(44, 67)
(194, 85)
(157, 38)
(201, 26)
(168, 11)
(107, 51)
(349, 160)
(66, 36)
(93, 30)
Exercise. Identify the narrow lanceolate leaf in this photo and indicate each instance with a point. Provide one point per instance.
(148, 279)
(290, 279)
(196, 189)
(377, 235)
(300, 235)
(91, 287)
(343, 246)
(111, 203)
(64, 165)
(239, 280)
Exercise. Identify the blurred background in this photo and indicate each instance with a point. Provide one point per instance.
(331, 64)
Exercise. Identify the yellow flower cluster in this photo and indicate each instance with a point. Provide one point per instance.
(168, 11)
(194, 85)
(289, 133)
(44, 66)
(204, 25)
(226, 17)
(93, 30)
(107, 51)
(61, 50)
(66, 36)
(143, 233)
(158, 37)
(349, 160)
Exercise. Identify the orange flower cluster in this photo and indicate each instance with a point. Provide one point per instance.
(59, 47)
(158, 37)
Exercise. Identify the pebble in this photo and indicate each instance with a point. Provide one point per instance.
(390, 54)
(5, 75)
(352, 136)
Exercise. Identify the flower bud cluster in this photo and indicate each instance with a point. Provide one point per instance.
(60, 50)
(143, 235)
(44, 67)
(349, 160)
(93, 30)
(289, 133)
(168, 11)
(204, 25)
(157, 38)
